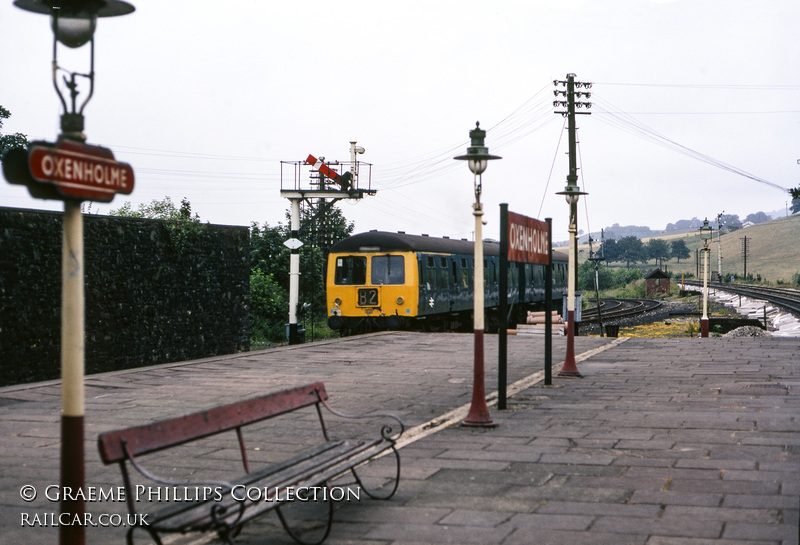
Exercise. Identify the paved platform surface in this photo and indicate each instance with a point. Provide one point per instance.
(663, 442)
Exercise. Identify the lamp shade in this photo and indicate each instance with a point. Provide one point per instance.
(705, 231)
(572, 193)
(477, 156)
(74, 21)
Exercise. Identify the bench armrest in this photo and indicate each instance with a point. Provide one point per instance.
(387, 432)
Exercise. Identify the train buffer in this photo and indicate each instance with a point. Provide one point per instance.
(224, 507)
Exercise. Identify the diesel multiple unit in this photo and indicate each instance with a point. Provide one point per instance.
(381, 280)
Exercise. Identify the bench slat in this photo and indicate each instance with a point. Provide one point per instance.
(176, 431)
(312, 472)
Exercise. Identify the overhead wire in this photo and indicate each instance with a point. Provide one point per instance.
(620, 119)
(552, 167)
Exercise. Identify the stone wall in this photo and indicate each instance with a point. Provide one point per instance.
(155, 293)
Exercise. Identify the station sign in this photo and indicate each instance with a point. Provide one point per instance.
(527, 240)
(76, 171)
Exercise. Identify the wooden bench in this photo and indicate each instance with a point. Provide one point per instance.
(223, 507)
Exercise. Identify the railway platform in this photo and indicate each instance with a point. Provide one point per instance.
(662, 442)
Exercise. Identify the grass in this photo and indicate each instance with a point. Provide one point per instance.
(773, 252)
(666, 329)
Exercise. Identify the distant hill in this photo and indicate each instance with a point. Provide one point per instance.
(617, 231)
(773, 251)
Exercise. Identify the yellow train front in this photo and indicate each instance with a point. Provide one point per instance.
(380, 280)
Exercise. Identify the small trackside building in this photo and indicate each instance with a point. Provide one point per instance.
(656, 282)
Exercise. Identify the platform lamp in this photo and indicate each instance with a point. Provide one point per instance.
(73, 23)
(477, 158)
(572, 193)
(705, 236)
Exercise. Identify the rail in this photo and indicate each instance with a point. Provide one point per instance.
(787, 299)
(612, 309)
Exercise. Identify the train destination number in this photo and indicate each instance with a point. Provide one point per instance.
(368, 297)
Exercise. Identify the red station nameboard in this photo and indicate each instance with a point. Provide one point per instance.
(527, 240)
(80, 171)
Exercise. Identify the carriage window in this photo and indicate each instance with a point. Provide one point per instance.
(388, 269)
(350, 270)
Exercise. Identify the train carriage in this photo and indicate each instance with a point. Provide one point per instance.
(381, 280)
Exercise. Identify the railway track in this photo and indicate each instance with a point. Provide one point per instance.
(612, 309)
(787, 299)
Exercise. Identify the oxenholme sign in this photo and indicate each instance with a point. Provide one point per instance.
(76, 170)
(527, 240)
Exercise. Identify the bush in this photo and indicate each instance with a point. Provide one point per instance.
(268, 309)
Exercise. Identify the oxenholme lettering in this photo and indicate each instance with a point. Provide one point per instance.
(526, 239)
(68, 169)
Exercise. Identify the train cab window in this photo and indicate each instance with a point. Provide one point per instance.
(350, 270)
(388, 269)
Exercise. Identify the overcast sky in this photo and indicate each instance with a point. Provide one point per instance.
(696, 105)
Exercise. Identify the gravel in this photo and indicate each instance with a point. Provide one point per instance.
(669, 310)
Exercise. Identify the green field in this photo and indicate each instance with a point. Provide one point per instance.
(773, 252)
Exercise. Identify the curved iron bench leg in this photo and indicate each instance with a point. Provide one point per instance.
(297, 538)
(396, 480)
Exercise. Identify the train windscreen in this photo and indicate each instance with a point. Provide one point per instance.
(388, 269)
(350, 270)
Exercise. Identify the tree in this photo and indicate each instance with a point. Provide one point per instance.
(795, 193)
(164, 209)
(679, 250)
(657, 249)
(758, 217)
(269, 262)
(631, 250)
(183, 227)
(611, 250)
(10, 141)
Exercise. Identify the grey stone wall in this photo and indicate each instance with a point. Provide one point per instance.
(154, 293)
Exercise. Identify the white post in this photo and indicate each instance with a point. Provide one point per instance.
(704, 319)
(478, 414)
(72, 369)
(294, 273)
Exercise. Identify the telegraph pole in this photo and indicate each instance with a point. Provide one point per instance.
(719, 246)
(572, 193)
(571, 104)
(745, 253)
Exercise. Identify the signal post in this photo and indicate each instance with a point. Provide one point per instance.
(315, 181)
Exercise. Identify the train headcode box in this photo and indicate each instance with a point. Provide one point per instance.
(76, 170)
(527, 240)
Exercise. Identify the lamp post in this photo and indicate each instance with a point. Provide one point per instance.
(477, 158)
(705, 235)
(73, 23)
(572, 193)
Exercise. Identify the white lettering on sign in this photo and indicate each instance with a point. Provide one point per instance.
(527, 240)
(67, 169)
